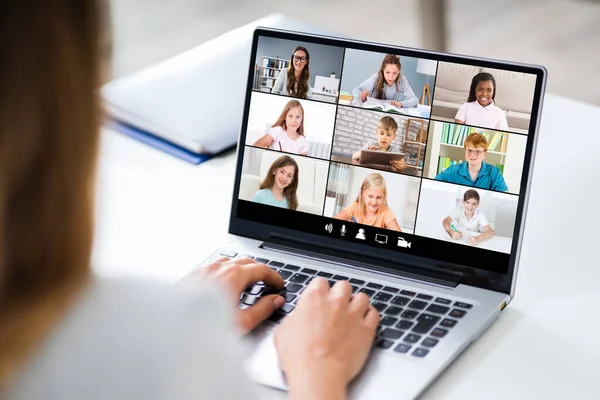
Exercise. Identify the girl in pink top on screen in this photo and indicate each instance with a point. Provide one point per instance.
(480, 110)
(287, 133)
(370, 206)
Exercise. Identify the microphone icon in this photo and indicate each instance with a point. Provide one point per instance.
(343, 230)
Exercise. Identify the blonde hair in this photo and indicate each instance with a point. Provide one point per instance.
(281, 120)
(371, 181)
(49, 131)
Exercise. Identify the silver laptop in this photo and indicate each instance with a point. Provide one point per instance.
(438, 252)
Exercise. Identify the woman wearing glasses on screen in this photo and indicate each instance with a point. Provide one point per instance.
(296, 81)
(475, 172)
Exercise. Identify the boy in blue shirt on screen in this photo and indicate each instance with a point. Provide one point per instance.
(475, 172)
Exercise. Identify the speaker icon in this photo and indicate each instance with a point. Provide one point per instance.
(329, 228)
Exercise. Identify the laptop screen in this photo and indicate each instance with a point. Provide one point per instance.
(398, 150)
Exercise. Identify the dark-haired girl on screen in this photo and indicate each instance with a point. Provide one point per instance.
(295, 82)
(480, 110)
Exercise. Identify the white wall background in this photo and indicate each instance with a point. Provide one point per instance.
(439, 199)
(265, 108)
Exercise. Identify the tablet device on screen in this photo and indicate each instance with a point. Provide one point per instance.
(379, 157)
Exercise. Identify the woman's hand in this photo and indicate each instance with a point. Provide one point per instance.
(473, 240)
(396, 103)
(235, 276)
(398, 165)
(324, 343)
(455, 235)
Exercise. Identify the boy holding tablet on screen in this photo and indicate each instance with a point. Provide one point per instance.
(386, 134)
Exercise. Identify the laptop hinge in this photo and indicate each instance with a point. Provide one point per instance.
(346, 258)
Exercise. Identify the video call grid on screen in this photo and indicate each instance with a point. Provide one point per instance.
(445, 143)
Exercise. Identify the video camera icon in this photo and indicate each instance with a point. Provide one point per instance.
(403, 243)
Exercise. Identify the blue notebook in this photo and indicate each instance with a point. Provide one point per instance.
(157, 142)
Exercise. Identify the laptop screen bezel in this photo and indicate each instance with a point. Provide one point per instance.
(475, 277)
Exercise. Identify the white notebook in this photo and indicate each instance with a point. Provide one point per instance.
(195, 99)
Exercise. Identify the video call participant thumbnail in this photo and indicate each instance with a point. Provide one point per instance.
(474, 171)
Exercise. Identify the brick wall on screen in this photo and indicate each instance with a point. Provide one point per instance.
(355, 127)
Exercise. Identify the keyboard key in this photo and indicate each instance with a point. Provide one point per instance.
(384, 344)
(393, 310)
(391, 289)
(285, 274)
(456, 313)
(298, 278)
(368, 292)
(374, 285)
(405, 325)
(354, 289)
(388, 321)
(270, 290)
(417, 304)
(412, 338)
(400, 301)
(429, 342)
(289, 297)
(309, 271)
(276, 264)
(228, 253)
(340, 278)
(325, 274)
(438, 332)
(391, 333)
(293, 288)
(425, 322)
(309, 281)
(380, 306)
(357, 281)
(380, 296)
(409, 314)
(254, 290)
(260, 283)
(249, 300)
(402, 348)
(424, 296)
(331, 283)
(276, 317)
(463, 305)
(407, 293)
(443, 301)
(291, 267)
(287, 308)
(448, 323)
(420, 352)
(434, 308)
(262, 260)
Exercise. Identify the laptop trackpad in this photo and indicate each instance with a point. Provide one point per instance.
(263, 363)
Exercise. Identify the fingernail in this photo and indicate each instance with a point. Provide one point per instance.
(279, 301)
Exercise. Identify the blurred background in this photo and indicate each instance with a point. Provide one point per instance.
(562, 35)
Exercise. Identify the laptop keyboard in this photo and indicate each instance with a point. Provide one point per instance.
(411, 323)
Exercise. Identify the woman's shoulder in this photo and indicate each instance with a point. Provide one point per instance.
(148, 332)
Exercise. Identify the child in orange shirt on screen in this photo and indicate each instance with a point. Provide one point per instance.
(370, 206)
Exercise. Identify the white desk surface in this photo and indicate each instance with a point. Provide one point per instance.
(158, 216)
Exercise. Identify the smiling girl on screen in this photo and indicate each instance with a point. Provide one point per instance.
(480, 110)
(370, 206)
(387, 84)
(295, 82)
(467, 218)
(280, 185)
(287, 133)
